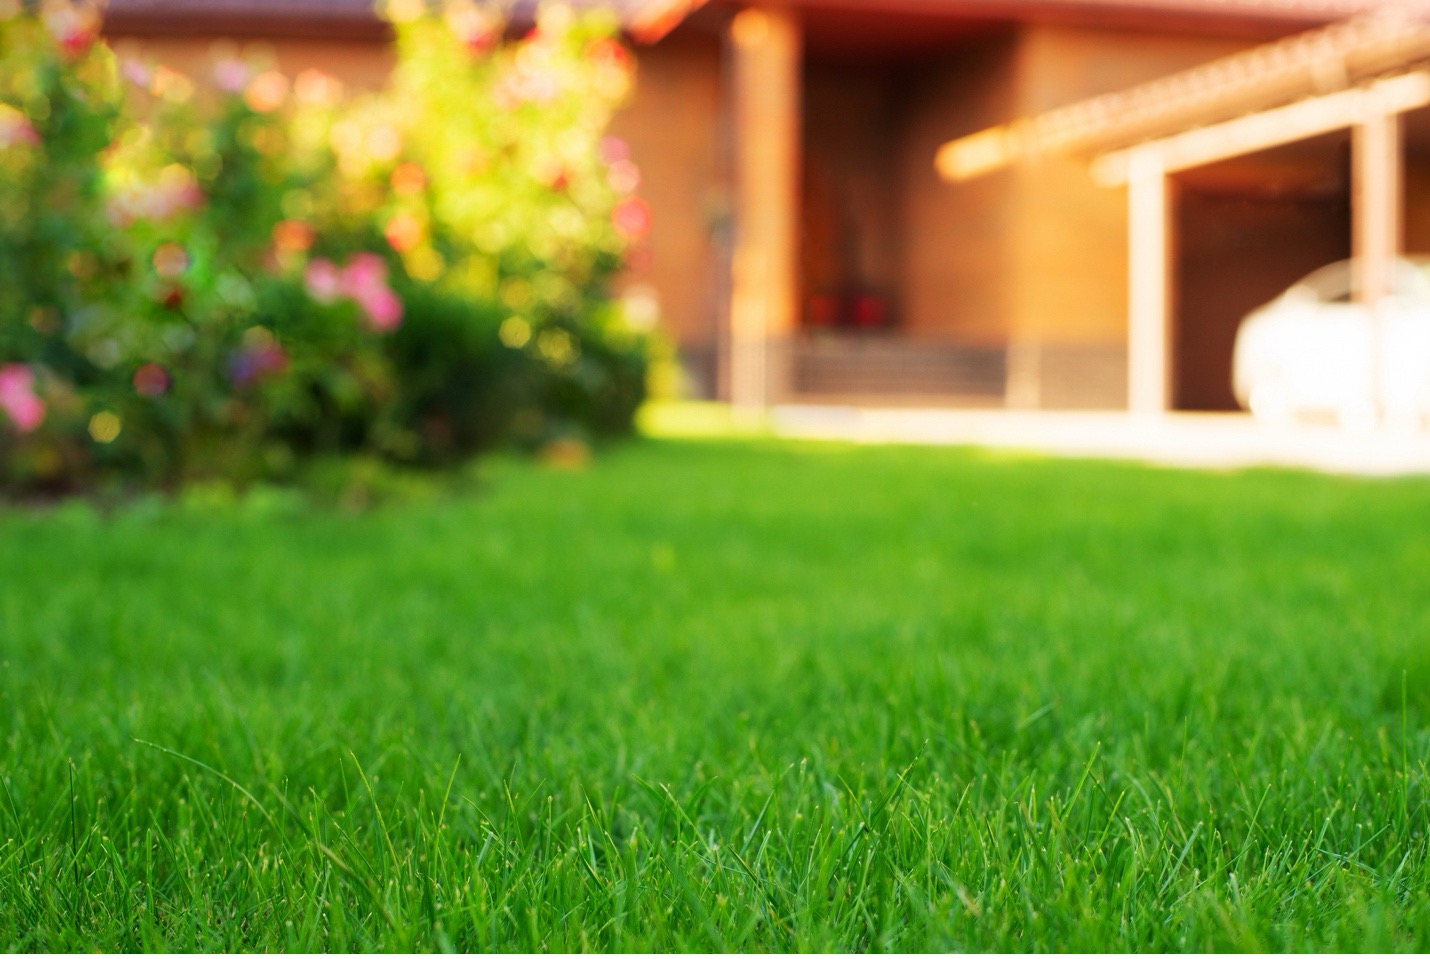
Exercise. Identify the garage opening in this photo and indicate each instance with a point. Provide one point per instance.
(1246, 229)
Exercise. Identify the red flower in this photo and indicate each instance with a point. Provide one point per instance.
(151, 379)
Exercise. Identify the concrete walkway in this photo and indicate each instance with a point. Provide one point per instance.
(1204, 440)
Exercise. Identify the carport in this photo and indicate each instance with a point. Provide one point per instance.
(1241, 176)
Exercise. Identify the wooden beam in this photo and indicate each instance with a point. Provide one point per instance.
(653, 19)
(766, 49)
(1269, 128)
(1388, 38)
(1148, 230)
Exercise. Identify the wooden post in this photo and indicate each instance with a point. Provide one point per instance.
(1148, 222)
(1375, 203)
(766, 44)
(1376, 223)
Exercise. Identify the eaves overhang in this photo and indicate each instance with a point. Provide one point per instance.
(1387, 40)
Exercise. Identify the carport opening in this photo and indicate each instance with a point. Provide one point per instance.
(1246, 229)
(1249, 227)
(1415, 127)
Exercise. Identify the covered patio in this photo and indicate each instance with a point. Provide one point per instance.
(1313, 147)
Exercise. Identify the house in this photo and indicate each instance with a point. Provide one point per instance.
(807, 245)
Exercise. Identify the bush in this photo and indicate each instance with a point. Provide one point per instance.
(227, 282)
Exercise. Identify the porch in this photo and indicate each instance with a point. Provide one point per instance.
(858, 275)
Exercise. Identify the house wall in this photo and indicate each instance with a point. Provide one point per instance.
(1067, 298)
(675, 125)
(1033, 258)
(956, 280)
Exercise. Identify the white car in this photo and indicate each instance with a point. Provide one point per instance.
(1315, 351)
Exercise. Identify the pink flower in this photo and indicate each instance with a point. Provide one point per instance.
(231, 75)
(324, 282)
(17, 397)
(623, 176)
(383, 308)
(136, 73)
(631, 218)
(613, 149)
(364, 281)
(364, 272)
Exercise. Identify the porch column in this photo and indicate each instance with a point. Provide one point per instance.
(1375, 219)
(765, 45)
(1376, 199)
(1148, 222)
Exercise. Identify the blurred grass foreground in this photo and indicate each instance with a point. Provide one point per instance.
(224, 278)
(726, 694)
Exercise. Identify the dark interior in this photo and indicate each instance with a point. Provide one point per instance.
(1246, 229)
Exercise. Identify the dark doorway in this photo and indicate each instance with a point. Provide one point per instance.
(849, 234)
(1247, 229)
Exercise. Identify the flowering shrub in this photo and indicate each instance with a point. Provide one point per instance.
(59, 106)
(508, 223)
(222, 279)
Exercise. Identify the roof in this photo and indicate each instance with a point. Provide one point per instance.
(334, 19)
(651, 19)
(1389, 37)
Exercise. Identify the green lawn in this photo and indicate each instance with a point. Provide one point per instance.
(720, 694)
